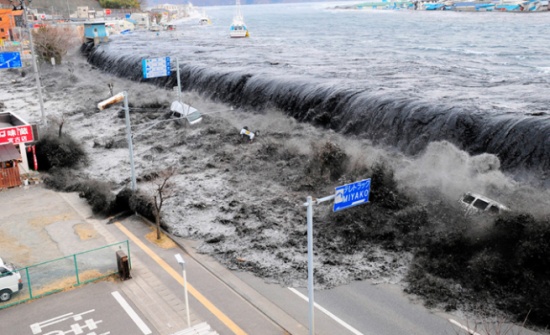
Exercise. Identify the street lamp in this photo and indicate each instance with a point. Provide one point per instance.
(182, 263)
(35, 67)
(114, 99)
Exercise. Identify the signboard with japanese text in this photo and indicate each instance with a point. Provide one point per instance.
(10, 60)
(156, 67)
(15, 135)
(350, 195)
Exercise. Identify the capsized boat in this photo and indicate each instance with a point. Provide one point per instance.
(475, 6)
(238, 27)
(441, 5)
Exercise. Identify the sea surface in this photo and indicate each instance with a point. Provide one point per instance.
(401, 78)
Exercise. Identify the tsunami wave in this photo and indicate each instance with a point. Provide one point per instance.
(521, 142)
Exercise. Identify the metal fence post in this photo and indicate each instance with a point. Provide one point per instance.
(129, 257)
(76, 270)
(29, 282)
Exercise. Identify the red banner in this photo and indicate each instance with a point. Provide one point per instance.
(19, 134)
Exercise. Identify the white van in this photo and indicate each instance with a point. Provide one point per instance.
(10, 281)
(475, 203)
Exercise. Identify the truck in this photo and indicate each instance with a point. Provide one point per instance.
(10, 281)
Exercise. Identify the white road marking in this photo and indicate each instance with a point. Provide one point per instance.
(456, 323)
(131, 313)
(334, 317)
(37, 327)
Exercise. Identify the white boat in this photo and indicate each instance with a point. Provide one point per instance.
(204, 20)
(238, 27)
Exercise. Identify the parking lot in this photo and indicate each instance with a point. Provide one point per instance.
(93, 309)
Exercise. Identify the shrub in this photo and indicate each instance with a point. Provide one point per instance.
(487, 270)
(433, 289)
(98, 195)
(54, 151)
(328, 162)
(61, 179)
(122, 200)
(384, 190)
(120, 3)
(142, 204)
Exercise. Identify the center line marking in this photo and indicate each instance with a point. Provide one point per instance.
(131, 313)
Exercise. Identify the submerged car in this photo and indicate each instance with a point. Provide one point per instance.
(475, 203)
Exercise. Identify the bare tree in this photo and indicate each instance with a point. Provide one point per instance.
(54, 42)
(164, 189)
(58, 119)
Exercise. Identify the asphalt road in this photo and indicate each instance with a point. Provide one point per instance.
(89, 309)
(362, 308)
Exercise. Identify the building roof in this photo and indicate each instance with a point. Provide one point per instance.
(8, 152)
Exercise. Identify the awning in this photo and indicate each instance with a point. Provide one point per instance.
(8, 152)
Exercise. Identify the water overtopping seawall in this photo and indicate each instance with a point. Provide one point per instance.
(521, 142)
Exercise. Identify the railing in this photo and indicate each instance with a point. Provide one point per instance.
(66, 272)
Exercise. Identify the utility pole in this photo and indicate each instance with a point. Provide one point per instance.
(34, 63)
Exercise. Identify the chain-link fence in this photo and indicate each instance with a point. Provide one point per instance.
(60, 274)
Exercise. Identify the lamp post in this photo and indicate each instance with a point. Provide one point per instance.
(35, 66)
(182, 263)
(114, 99)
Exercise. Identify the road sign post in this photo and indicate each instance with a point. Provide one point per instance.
(346, 196)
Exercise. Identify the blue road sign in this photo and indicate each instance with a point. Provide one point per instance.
(350, 195)
(155, 67)
(10, 60)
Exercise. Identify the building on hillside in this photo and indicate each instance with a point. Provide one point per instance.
(85, 12)
(141, 20)
(9, 19)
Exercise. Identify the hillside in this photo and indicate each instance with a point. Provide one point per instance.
(60, 6)
(57, 6)
(201, 3)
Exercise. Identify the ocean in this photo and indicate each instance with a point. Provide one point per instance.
(400, 78)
